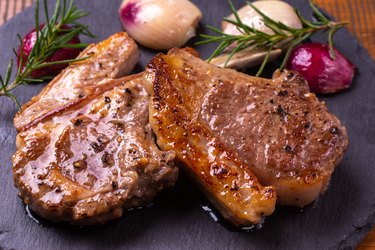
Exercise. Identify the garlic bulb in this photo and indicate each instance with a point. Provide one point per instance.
(160, 24)
(245, 58)
(276, 10)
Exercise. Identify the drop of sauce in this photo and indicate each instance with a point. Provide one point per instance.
(210, 212)
(46, 223)
(219, 219)
(148, 205)
(30, 214)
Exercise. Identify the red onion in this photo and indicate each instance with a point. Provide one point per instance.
(324, 74)
(62, 54)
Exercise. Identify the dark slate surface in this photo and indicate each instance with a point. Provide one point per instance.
(339, 219)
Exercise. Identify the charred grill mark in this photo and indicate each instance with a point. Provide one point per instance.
(157, 91)
(157, 63)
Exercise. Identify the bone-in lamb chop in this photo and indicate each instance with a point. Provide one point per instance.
(85, 150)
(226, 126)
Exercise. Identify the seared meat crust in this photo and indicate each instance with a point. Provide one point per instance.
(175, 118)
(85, 159)
(275, 129)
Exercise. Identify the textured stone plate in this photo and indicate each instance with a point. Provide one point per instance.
(339, 219)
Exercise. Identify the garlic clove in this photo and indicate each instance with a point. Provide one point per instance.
(160, 24)
(276, 10)
(245, 58)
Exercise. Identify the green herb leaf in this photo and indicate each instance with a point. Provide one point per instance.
(50, 38)
(283, 36)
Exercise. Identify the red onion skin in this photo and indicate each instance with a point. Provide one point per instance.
(61, 54)
(128, 13)
(324, 74)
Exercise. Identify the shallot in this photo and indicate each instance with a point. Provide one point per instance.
(324, 74)
(28, 43)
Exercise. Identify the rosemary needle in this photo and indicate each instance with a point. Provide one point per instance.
(282, 36)
(50, 38)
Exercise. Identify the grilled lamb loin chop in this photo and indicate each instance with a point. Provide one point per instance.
(112, 58)
(226, 126)
(91, 153)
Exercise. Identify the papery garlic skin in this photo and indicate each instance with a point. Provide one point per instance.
(245, 58)
(160, 24)
(276, 10)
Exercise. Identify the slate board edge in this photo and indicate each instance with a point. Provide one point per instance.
(359, 231)
(358, 234)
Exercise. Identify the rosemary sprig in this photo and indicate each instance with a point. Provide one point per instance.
(50, 38)
(283, 36)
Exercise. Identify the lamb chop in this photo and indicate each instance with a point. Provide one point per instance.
(111, 58)
(85, 150)
(234, 133)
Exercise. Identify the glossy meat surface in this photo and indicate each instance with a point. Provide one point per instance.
(88, 162)
(279, 129)
(276, 128)
(175, 118)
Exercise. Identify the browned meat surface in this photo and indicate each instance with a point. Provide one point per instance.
(178, 92)
(86, 162)
(111, 58)
(224, 126)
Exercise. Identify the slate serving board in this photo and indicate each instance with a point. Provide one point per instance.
(176, 220)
